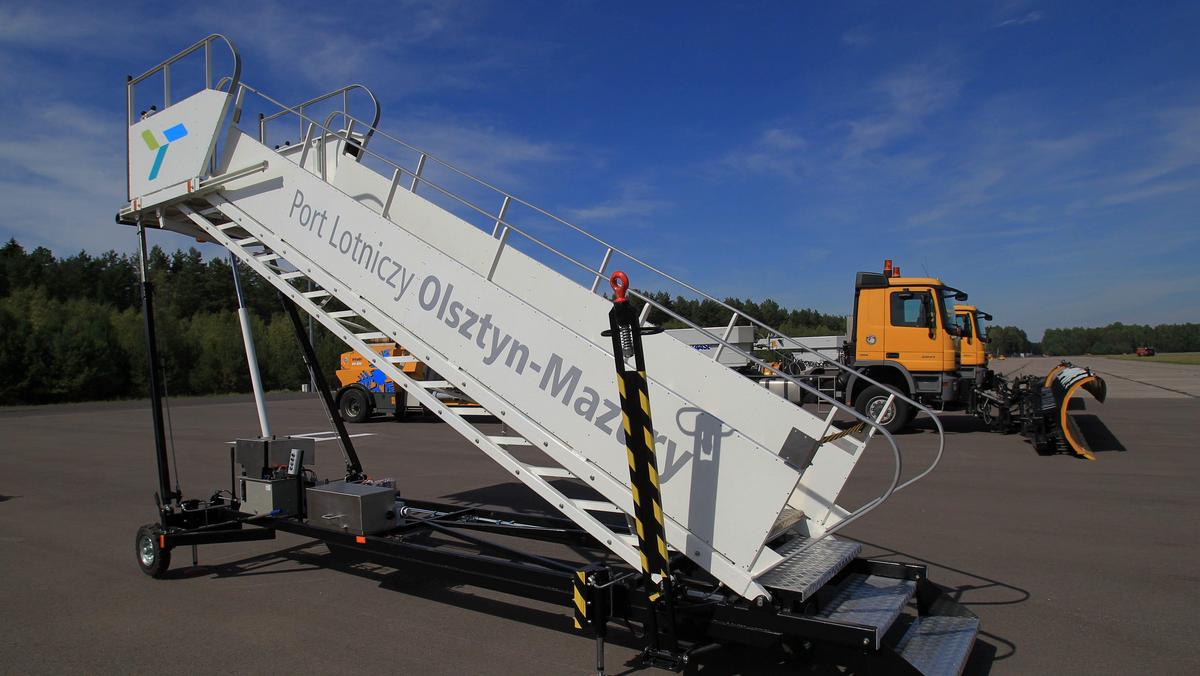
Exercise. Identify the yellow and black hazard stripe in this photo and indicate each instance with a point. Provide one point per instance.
(843, 433)
(579, 587)
(643, 471)
(589, 605)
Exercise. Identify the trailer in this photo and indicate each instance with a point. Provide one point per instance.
(714, 520)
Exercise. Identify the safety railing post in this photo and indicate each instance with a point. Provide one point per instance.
(306, 141)
(417, 174)
(600, 270)
(728, 332)
(208, 64)
(503, 214)
(499, 249)
(387, 204)
(166, 86)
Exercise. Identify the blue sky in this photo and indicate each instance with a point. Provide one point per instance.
(1044, 157)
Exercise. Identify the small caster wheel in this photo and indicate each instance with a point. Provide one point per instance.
(151, 558)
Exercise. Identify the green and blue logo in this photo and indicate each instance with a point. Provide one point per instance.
(171, 134)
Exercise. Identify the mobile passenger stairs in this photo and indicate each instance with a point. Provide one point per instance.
(713, 522)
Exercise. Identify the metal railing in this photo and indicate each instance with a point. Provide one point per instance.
(233, 80)
(299, 108)
(504, 228)
(165, 68)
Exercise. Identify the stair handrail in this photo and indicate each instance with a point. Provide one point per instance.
(600, 275)
(345, 94)
(875, 426)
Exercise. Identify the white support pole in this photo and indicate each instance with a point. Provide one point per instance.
(251, 355)
(728, 332)
(603, 267)
(503, 214)
(417, 173)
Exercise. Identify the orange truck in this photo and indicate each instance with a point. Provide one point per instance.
(365, 391)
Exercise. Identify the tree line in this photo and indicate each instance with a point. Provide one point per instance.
(1116, 338)
(71, 328)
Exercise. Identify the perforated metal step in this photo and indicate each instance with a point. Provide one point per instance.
(806, 572)
(938, 645)
(869, 601)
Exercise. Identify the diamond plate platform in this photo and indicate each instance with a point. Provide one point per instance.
(806, 572)
(938, 645)
(869, 601)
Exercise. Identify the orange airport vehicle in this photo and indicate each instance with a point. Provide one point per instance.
(364, 390)
(908, 333)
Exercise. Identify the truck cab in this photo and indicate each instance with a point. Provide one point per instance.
(973, 354)
(904, 335)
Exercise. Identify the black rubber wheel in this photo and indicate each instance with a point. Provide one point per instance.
(354, 406)
(871, 401)
(152, 559)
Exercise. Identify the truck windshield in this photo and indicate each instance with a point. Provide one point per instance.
(979, 328)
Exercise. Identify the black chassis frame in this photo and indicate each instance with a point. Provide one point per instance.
(702, 615)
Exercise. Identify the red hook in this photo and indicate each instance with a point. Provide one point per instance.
(620, 283)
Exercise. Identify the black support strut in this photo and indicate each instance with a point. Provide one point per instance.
(154, 377)
(354, 470)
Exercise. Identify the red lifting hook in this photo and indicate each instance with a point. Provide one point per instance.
(620, 282)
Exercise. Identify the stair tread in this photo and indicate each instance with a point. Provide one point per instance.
(808, 571)
(869, 601)
(938, 645)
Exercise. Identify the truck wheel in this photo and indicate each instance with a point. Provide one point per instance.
(152, 559)
(353, 406)
(871, 401)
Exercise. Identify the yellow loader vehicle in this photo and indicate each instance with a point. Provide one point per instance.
(907, 333)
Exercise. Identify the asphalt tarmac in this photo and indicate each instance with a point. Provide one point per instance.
(1074, 567)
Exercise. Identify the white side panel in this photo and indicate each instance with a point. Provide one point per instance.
(173, 145)
(539, 349)
(722, 402)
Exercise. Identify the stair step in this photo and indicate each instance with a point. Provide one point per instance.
(403, 359)
(370, 335)
(246, 242)
(316, 294)
(869, 601)
(514, 441)
(340, 314)
(434, 384)
(806, 572)
(938, 645)
(549, 471)
(470, 411)
(597, 506)
(295, 274)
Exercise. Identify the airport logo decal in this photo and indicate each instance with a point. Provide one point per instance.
(171, 134)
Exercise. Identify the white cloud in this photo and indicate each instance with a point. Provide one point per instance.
(632, 202)
(776, 151)
(1026, 19)
(904, 99)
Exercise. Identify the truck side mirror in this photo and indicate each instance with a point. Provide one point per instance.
(960, 296)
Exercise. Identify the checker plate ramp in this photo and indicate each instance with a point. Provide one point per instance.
(870, 601)
(808, 571)
(938, 645)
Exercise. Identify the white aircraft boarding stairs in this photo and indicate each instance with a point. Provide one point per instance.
(513, 316)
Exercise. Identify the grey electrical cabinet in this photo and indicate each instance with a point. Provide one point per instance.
(352, 508)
